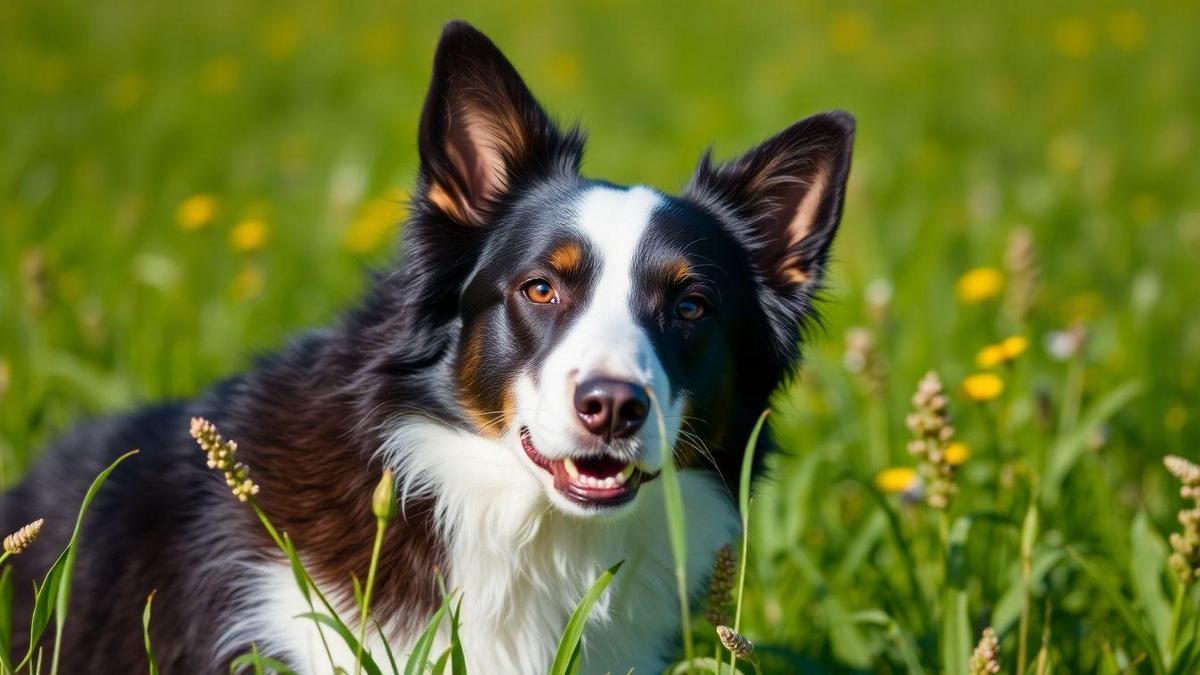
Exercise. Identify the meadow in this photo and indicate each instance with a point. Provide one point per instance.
(185, 185)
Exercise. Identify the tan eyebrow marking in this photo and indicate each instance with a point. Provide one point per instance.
(566, 258)
(677, 271)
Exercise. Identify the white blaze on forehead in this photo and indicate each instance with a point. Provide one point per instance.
(606, 339)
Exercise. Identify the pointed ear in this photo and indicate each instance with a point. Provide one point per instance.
(482, 132)
(786, 194)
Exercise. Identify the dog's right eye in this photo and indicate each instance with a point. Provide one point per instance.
(540, 291)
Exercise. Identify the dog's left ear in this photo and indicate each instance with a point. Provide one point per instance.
(787, 193)
(482, 132)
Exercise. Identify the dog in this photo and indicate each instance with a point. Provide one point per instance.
(540, 340)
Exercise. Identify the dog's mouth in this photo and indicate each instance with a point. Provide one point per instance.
(596, 481)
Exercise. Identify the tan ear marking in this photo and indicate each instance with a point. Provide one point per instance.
(448, 205)
(802, 222)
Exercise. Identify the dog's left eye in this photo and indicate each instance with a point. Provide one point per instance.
(691, 308)
(540, 291)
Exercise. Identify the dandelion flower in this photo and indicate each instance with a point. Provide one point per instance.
(22, 539)
(1014, 346)
(957, 453)
(221, 75)
(248, 284)
(196, 212)
(983, 386)
(1005, 351)
(985, 660)
(1127, 29)
(990, 356)
(374, 225)
(248, 236)
(897, 479)
(979, 284)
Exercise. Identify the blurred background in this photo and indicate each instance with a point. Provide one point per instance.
(185, 185)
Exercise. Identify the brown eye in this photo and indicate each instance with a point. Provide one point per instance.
(691, 308)
(540, 291)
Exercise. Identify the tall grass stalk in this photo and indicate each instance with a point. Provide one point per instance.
(677, 523)
(744, 511)
(1029, 531)
(384, 508)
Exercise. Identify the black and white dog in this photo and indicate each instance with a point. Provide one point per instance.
(509, 368)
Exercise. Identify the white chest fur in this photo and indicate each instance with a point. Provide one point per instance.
(522, 566)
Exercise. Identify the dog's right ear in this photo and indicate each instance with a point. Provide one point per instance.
(482, 132)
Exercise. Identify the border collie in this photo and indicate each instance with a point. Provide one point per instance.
(509, 368)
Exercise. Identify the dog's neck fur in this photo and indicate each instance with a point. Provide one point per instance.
(518, 566)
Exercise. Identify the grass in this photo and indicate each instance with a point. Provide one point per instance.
(185, 185)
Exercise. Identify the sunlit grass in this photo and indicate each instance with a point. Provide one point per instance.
(185, 185)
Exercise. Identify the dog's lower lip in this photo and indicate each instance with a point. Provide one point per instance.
(616, 483)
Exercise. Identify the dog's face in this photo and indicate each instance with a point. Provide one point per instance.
(600, 324)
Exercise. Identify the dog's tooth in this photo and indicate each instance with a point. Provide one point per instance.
(610, 483)
(572, 470)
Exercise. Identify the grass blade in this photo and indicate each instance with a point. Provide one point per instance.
(347, 636)
(56, 588)
(744, 511)
(151, 665)
(568, 644)
(6, 598)
(956, 624)
(458, 660)
(260, 664)
(1071, 443)
(387, 649)
(420, 653)
(1147, 562)
(677, 525)
(1123, 608)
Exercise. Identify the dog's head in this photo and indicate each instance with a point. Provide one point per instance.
(594, 324)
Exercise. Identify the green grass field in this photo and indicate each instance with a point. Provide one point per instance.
(184, 185)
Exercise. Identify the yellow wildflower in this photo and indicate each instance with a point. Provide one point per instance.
(983, 386)
(957, 453)
(5, 375)
(850, 32)
(990, 356)
(126, 91)
(221, 76)
(1127, 29)
(248, 284)
(248, 235)
(1014, 346)
(979, 284)
(281, 36)
(1074, 38)
(1002, 352)
(897, 479)
(196, 212)
(373, 226)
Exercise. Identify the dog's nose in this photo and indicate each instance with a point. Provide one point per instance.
(611, 408)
